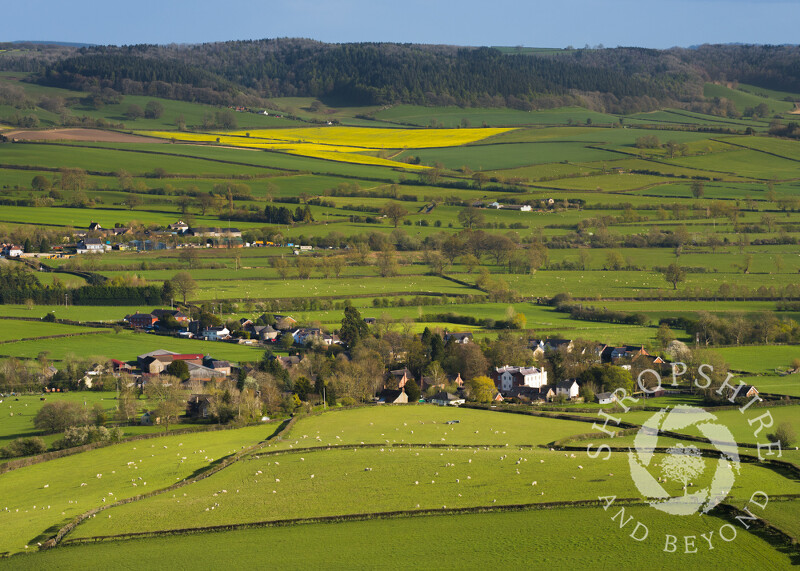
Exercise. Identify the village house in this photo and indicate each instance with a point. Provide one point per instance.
(443, 398)
(90, 246)
(179, 227)
(428, 382)
(198, 406)
(605, 398)
(179, 316)
(141, 320)
(392, 396)
(609, 354)
(398, 378)
(288, 362)
(460, 338)
(157, 364)
(263, 332)
(506, 378)
(285, 322)
(217, 333)
(568, 388)
(305, 335)
(530, 394)
(12, 251)
(541, 346)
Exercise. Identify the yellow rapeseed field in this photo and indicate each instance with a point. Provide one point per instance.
(375, 138)
(344, 144)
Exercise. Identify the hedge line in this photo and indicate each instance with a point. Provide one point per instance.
(53, 336)
(769, 532)
(361, 517)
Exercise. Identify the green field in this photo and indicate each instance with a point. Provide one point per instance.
(50, 494)
(14, 330)
(341, 485)
(125, 346)
(19, 412)
(539, 537)
(759, 359)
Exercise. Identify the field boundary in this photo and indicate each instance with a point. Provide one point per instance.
(770, 532)
(399, 514)
(52, 337)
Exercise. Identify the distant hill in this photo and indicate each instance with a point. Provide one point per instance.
(617, 80)
(51, 43)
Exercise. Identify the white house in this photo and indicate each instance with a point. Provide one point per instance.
(443, 398)
(216, 333)
(506, 378)
(13, 251)
(605, 398)
(568, 388)
(91, 246)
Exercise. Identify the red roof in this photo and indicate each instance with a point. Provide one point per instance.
(187, 357)
(118, 362)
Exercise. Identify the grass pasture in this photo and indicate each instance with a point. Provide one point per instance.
(40, 498)
(125, 346)
(539, 537)
(14, 330)
(341, 485)
(759, 359)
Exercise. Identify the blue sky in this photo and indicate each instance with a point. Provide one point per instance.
(548, 23)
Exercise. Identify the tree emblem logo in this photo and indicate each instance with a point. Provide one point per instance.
(683, 464)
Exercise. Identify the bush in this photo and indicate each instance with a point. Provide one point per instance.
(80, 435)
(784, 434)
(23, 447)
(347, 401)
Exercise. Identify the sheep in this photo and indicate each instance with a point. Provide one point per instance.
(534, 483)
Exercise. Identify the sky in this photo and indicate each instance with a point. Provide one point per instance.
(532, 23)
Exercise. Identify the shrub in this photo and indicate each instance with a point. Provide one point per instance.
(80, 435)
(23, 447)
(784, 434)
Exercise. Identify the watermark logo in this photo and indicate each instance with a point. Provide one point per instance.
(666, 475)
(682, 464)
